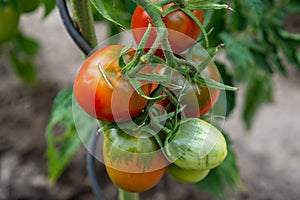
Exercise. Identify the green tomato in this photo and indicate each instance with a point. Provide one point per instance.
(27, 6)
(197, 145)
(9, 20)
(186, 175)
(133, 162)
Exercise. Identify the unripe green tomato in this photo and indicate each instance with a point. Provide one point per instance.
(197, 145)
(27, 6)
(9, 20)
(186, 175)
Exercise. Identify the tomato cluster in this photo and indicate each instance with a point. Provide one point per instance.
(185, 146)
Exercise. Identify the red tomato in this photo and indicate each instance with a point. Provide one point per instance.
(133, 162)
(198, 99)
(182, 30)
(101, 91)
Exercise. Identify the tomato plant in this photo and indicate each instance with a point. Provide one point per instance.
(133, 162)
(186, 175)
(102, 92)
(9, 20)
(181, 28)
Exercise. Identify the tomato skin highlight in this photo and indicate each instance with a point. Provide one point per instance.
(109, 98)
(133, 163)
(182, 30)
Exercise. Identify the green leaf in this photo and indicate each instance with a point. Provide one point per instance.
(291, 36)
(155, 78)
(273, 53)
(239, 54)
(125, 50)
(49, 6)
(137, 86)
(205, 5)
(238, 17)
(259, 91)
(62, 148)
(224, 176)
(27, 44)
(99, 5)
(217, 22)
(213, 84)
(24, 68)
(288, 47)
(256, 9)
(230, 95)
(261, 61)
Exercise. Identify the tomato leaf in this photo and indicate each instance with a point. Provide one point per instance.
(27, 45)
(137, 86)
(155, 78)
(98, 4)
(224, 176)
(123, 52)
(230, 95)
(238, 54)
(213, 84)
(49, 6)
(256, 9)
(262, 62)
(286, 44)
(259, 90)
(62, 148)
(274, 54)
(24, 68)
(193, 5)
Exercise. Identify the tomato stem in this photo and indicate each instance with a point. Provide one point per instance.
(196, 20)
(162, 33)
(124, 195)
(84, 20)
(164, 2)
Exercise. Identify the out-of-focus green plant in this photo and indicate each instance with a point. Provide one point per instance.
(16, 47)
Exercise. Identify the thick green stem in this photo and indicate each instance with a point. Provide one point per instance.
(84, 20)
(155, 14)
(124, 195)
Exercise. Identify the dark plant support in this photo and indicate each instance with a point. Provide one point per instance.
(69, 25)
(86, 49)
(90, 160)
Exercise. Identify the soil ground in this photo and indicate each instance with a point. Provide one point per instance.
(268, 155)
